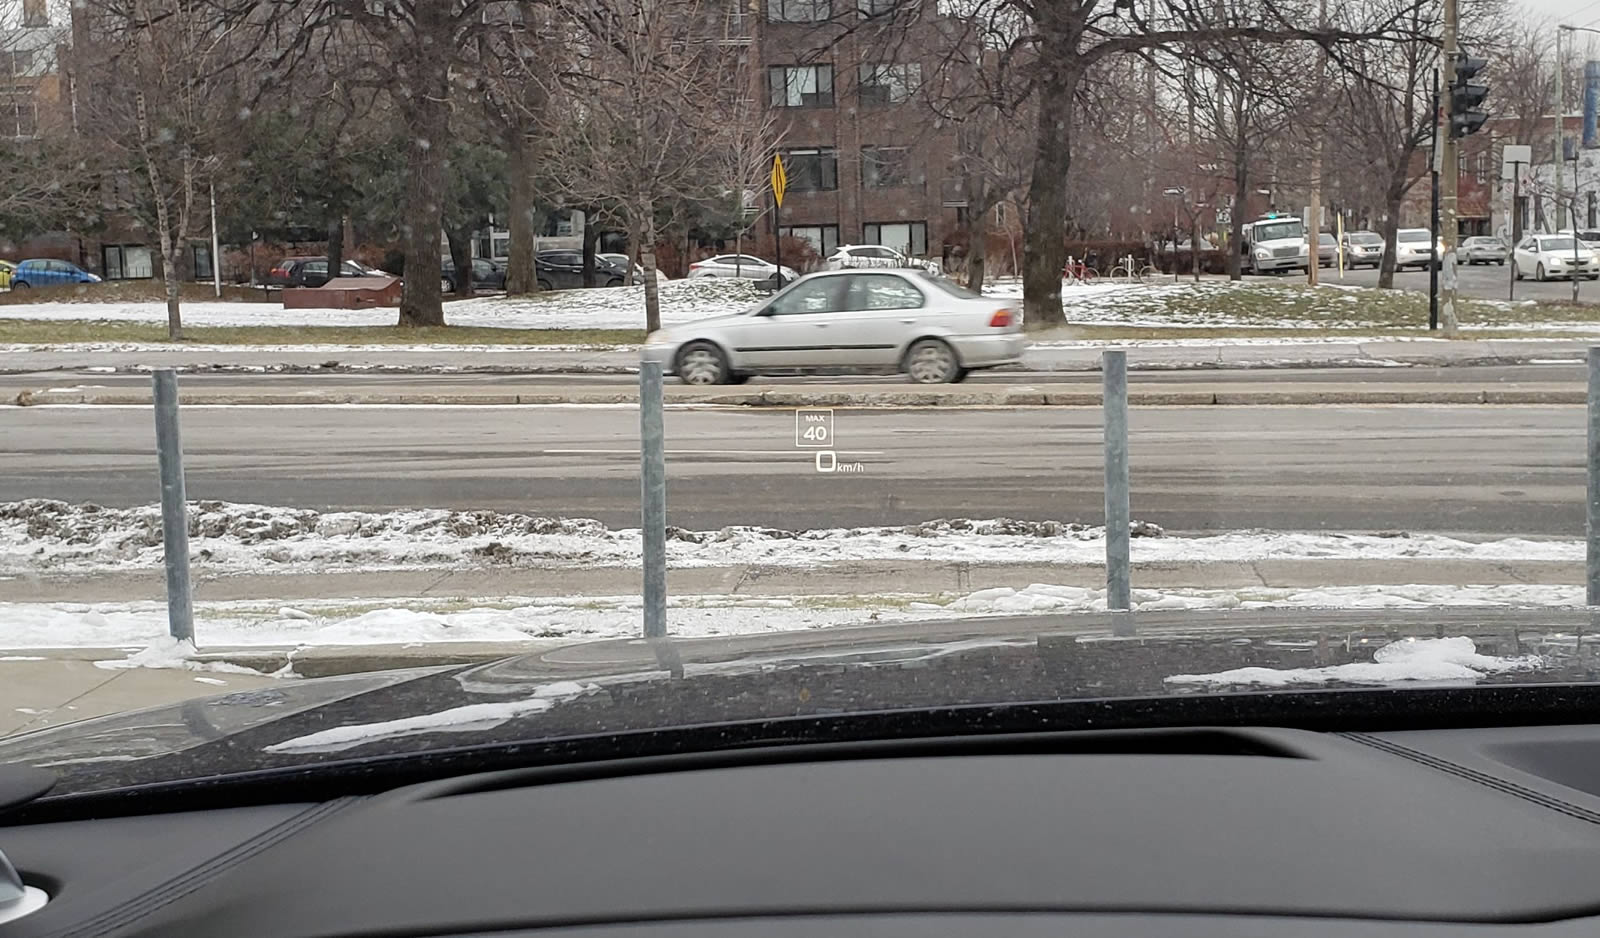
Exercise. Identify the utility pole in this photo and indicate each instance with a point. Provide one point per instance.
(1450, 164)
(1314, 223)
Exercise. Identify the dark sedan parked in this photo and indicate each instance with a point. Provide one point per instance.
(308, 272)
(486, 275)
(563, 270)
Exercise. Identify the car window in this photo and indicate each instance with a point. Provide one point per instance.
(316, 267)
(750, 261)
(819, 295)
(1412, 236)
(882, 291)
(954, 289)
(482, 268)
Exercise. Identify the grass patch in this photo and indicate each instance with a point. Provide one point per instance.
(55, 332)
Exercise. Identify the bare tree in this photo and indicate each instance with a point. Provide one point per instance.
(645, 110)
(157, 87)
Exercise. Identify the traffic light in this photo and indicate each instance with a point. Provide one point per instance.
(1465, 97)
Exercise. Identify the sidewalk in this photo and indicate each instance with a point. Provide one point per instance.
(1360, 389)
(1059, 352)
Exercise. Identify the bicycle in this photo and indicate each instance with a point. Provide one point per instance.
(1078, 272)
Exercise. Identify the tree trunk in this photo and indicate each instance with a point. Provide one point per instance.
(522, 277)
(1392, 198)
(647, 258)
(591, 241)
(460, 241)
(1044, 249)
(636, 244)
(169, 277)
(977, 246)
(427, 125)
(1241, 189)
(335, 246)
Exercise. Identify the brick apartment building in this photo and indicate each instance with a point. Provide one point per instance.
(867, 160)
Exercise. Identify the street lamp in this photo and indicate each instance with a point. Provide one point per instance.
(1175, 193)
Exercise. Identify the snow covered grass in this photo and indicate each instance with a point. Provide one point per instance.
(141, 626)
(1407, 660)
(23, 335)
(43, 536)
(616, 308)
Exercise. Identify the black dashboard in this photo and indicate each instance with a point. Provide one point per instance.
(1195, 832)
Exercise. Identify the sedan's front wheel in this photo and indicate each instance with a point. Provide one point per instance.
(1538, 273)
(702, 363)
(932, 361)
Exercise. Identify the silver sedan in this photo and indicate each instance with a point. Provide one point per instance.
(848, 321)
(1482, 250)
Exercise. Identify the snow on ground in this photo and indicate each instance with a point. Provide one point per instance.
(141, 627)
(600, 308)
(1409, 659)
(44, 536)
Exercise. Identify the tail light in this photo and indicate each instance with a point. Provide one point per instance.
(1001, 319)
(696, 266)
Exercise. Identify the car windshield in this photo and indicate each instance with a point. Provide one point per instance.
(1279, 231)
(928, 405)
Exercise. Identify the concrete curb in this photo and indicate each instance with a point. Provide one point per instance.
(1025, 396)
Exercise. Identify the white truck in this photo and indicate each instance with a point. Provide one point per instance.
(1275, 243)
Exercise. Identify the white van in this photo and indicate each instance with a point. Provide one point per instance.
(1275, 243)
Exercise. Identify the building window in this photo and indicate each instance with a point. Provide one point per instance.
(908, 237)
(18, 63)
(801, 85)
(878, 7)
(127, 262)
(201, 258)
(886, 167)
(799, 11)
(812, 170)
(889, 84)
(19, 114)
(824, 239)
(35, 14)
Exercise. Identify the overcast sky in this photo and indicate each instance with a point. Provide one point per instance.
(1574, 12)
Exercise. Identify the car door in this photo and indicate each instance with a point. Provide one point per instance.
(314, 274)
(563, 269)
(882, 313)
(1521, 255)
(797, 328)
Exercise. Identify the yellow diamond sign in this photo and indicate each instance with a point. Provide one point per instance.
(780, 180)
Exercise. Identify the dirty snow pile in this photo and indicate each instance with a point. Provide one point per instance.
(599, 308)
(1410, 659)
(518, 619)
(44, 536)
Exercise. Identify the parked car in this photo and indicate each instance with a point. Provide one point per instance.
(621, 260)
(309, 272)
(6, 270)
(1327, 250)
(739, 265)
(1548, 256)
(850, 256)
(49, 273)
(1482, 250)
(1415, 247)
(850, 320)
(1362, 248)
(486, 275)
(563, 270)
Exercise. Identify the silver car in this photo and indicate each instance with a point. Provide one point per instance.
(1481, 250)
(845, 321)
(738, 265)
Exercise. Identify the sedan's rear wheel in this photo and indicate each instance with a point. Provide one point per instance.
(932, 361)
(702, 363)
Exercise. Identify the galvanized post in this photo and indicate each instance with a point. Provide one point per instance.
(174, 507)
(653, 492)
(1114, 370)
(1592, 521)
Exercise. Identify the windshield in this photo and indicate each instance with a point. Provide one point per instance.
(1279, 230)
(912, 401)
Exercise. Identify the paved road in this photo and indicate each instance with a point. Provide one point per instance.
(1487, 281)
(1565, 366)
(1502, 470)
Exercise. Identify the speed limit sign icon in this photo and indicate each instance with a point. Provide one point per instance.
(813, 426)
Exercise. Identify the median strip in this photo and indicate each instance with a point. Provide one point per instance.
(1221, 394)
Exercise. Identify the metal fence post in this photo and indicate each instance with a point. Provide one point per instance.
(174, 507)
(1114, 373)
(1592, 518)
(653, 492)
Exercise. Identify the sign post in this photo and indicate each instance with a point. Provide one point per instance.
(1512, 159)
(780, 182)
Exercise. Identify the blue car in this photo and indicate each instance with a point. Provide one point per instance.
(49, 273)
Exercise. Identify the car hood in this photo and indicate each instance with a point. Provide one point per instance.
(624, 697)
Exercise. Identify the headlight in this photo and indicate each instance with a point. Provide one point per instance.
(1263, 253)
